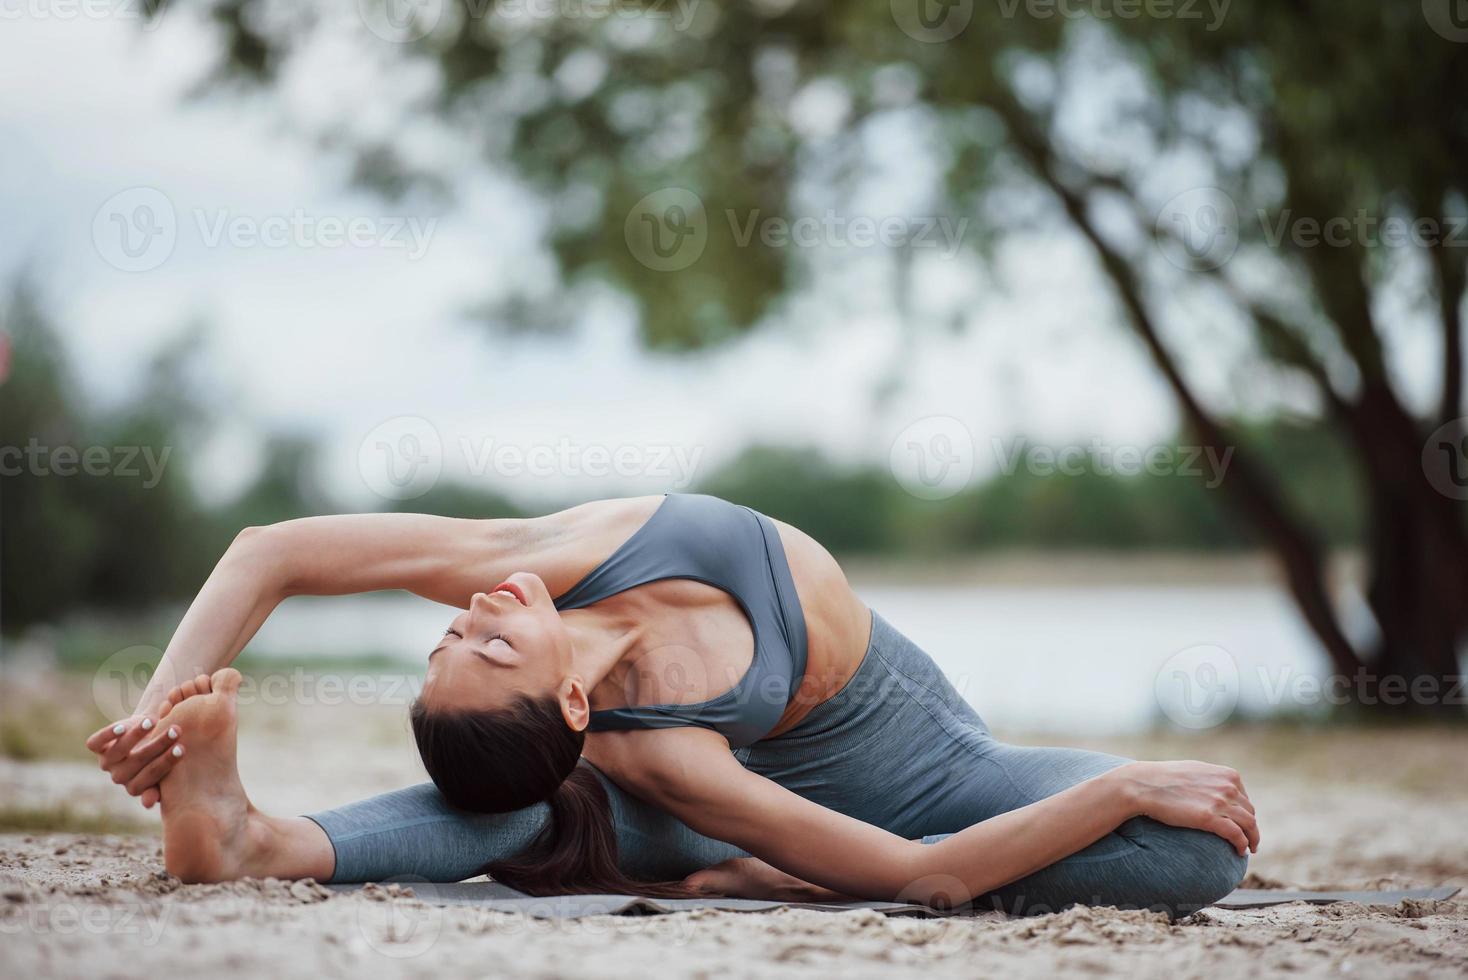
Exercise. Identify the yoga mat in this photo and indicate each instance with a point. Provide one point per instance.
(501, 898)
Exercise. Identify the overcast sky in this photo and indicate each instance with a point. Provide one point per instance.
(335, 340)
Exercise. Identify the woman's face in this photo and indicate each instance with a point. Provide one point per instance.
(509, 642)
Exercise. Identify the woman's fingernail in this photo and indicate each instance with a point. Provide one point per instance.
(178, 751)
(119, 728)
(173, 733)
(147, 724)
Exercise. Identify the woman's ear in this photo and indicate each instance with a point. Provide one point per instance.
(575, 706)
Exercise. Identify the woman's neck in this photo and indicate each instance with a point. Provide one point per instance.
(602, 637)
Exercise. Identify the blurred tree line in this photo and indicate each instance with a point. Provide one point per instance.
(129, 531)
(115, 541)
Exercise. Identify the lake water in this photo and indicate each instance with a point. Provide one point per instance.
(1101, 660)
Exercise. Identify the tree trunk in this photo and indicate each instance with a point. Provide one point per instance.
(1415, 668)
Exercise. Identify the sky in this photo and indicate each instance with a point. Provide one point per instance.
(361, 344)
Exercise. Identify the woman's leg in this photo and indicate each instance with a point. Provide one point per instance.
(900, 749)
(211, 832)
(1141, 864)
(414, 832)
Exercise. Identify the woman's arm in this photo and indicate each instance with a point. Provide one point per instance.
(440, 558)
(691, 773)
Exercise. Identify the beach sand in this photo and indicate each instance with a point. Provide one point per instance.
(1339, 808)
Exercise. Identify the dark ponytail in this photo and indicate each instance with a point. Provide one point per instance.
(495, 761)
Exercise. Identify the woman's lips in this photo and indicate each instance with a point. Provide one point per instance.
(513, 590)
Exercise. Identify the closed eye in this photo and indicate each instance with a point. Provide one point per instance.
(446, 634)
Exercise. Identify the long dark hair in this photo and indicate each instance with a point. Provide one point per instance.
(503, 759)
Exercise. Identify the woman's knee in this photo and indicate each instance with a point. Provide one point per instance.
(1191, 869)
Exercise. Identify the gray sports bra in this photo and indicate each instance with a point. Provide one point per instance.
(737, 550)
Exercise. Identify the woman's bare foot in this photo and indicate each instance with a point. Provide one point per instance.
(753, 878)
(210, 831)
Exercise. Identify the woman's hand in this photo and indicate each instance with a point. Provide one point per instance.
(139, 751)
(1193, 794)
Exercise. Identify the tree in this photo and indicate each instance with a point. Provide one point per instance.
(1290, 116)
(94, 506)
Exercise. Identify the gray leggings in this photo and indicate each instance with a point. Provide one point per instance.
(897, 748)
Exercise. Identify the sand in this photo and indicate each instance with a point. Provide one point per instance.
(1339, 808)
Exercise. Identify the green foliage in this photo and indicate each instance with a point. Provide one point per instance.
(124, 533)
(1321, 112)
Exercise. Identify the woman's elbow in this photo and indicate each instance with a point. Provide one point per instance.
(258, 551)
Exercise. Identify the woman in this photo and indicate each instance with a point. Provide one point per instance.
(659, 686)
